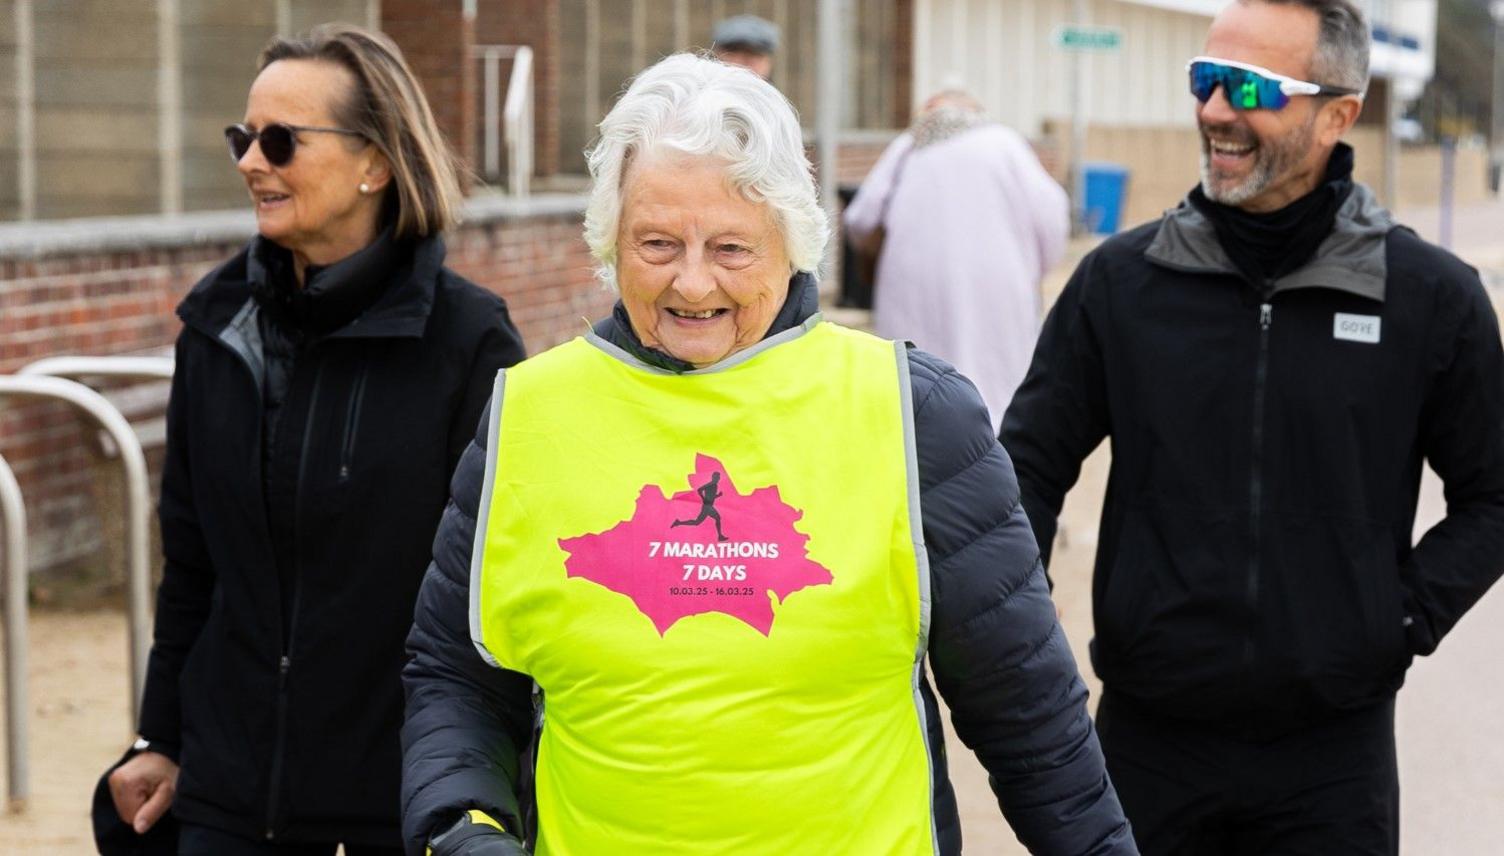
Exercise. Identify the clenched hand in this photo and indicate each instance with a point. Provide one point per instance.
(142, 789)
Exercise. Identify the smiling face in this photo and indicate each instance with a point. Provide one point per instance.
(702, 269)
(1262, 160)
(313, 205)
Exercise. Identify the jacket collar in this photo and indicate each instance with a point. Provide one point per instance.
(402, 310)
(800, 310)
(1351, 259)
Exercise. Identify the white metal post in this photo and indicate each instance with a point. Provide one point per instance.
(1496, 137)
(1448, 183)
(681, 25)
(16, 695)
(519, 121)
(592, 62)
(26, 110)
(492, 97)
(32, 382)
(169, 108)
(828, 109)
(1078, 123)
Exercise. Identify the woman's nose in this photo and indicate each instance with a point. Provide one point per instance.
(694, 282)
(253, 160)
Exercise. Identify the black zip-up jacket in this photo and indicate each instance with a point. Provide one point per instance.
(1000, 658)
(285, 718)
(1255, 564)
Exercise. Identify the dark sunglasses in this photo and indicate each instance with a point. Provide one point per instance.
(278, 140)
(1249, 87)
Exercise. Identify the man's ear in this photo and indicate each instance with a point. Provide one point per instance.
(1337, 118)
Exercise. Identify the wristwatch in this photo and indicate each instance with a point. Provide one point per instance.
(141, 745)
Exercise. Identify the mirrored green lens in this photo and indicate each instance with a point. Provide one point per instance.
(1244, 89)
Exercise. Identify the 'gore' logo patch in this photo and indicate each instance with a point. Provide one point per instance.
(1356, 328)
(707, 549)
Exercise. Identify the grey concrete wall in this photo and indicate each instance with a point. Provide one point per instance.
(307, 13)
(97, 102)
(96, 107)
(220, 43)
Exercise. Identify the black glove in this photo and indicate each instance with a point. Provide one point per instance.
(475, 834)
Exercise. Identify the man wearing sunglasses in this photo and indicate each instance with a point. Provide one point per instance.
(1274, 361)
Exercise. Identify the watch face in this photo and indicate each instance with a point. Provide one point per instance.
(141, 744)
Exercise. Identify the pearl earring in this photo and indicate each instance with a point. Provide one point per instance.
(365, 188)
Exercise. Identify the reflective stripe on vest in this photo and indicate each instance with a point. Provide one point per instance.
(718, 581)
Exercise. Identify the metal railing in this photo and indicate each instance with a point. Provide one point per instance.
(138, 492)
(50, 379)
(137, 501)
(508, 123)
(14, 567)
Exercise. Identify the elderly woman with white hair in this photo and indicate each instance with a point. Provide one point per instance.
(698, 559)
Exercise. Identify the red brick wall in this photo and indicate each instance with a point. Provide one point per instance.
(534, 23)
(542, 268)
(436, 39)
(122, 302)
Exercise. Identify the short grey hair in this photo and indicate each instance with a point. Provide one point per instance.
(701, 106)
(1342, 44)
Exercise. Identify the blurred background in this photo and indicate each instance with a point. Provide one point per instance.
(116, 196)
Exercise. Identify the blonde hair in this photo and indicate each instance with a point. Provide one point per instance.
(387, 107)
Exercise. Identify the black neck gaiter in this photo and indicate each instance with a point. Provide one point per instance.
(331, 295)
(1265, 247)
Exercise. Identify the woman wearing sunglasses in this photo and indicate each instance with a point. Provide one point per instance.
(328, 378)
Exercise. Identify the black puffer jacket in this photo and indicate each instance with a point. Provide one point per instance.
(1000, 659)
(1255, 566)
(280, 622)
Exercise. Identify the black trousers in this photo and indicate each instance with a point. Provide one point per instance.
(1190, 790)
(207, 841)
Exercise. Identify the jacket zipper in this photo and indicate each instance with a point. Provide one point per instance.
(352, 421)
(284, 665)
(1256, 475)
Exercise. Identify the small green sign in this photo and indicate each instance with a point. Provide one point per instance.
(1088, 38)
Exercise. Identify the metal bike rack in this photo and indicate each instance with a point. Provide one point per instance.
(152, 368)
(138, 492)
(138, 500)
(14, 567)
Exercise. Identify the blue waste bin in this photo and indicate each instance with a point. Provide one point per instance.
(1106, 188)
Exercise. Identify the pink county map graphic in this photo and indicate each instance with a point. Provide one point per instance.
(710, 548)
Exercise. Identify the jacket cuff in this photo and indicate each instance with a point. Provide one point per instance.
(1419, 637)
(169, 748)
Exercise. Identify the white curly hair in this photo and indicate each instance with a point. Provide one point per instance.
(701, 106)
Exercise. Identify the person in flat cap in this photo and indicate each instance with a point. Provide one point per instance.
(747, 41)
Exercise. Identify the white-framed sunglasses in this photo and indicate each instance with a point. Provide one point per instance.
(1250, 87)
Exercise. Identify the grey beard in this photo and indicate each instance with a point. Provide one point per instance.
(1236, 194)
(1272, 161)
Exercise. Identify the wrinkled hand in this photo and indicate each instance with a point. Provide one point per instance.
(476, 839)
(143, 788)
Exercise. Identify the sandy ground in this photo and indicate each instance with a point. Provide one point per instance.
(1451, 754)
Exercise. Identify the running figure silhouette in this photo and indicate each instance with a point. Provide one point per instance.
(709, 493)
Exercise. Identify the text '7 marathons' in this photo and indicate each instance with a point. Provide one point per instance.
(715, 550)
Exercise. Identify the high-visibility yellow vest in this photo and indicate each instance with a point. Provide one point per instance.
(718, 581)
